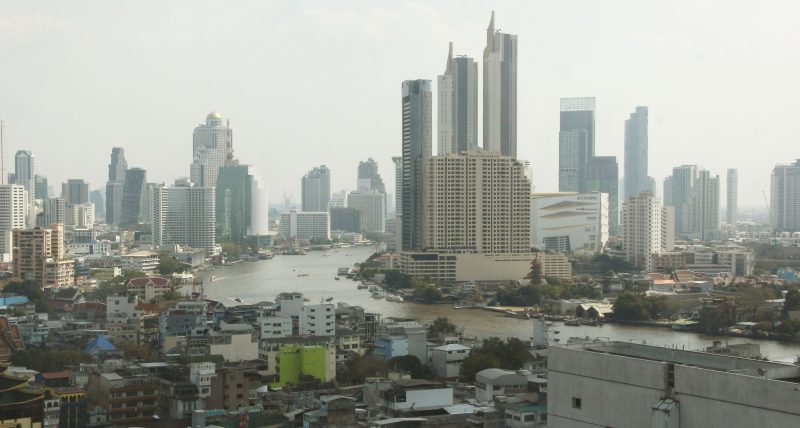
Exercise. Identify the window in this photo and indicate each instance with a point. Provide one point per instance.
(576, 403)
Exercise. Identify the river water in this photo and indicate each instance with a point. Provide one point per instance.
(263, 280)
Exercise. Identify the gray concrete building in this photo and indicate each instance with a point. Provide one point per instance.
(785, 198)
(457, 96)
(623, 384)
(500, 92)
(636, 179)
(575, 142)
(316, 189)
(732, 200)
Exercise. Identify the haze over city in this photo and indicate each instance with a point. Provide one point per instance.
(309, 83)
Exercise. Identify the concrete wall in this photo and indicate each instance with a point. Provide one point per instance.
(483, 267)
(426, 399)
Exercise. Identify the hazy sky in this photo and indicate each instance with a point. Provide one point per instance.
(311, 82)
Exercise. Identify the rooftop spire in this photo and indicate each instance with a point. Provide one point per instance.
(490, 30)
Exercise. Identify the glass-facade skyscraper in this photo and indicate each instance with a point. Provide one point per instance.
(458, 105)
(500, 92)
(417, 100)
(575, 142)
(636, 148)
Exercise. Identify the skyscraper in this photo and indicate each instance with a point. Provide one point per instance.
(678, 193)
(500, 92)
(25, 173)
(184, 215)
(53, 212)
(13, 210)
(575, 142)
(75, 191)
(212, 147)
(41, 187)
(316, 189)
(241, 206)
(417, 113)
(368, 170)
(705, 206)
(636, 142)
(4, 169)
(371, 206)
(458, 105)
(732, 200)
(785, 198)
(133, 198)
(602, 175)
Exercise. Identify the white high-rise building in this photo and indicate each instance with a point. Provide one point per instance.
(567, 222)
(500, 92)
(212, 147)
(478, 202)
(4, 168)
(305, 225)
(371, 206)
(458, 105)
(184, 215)
(732, 201)
(13, 210)
(646, 230)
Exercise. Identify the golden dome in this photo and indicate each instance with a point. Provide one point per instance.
(214, 115)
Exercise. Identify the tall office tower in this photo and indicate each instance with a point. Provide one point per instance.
(645, 229)
(212, 147)
(25, 173)
(417, 148)
(575, 142)
(316, 189)
(678, 193)
(53, 211)
(668, 192)
(241, 204)
(705, 206)
(371, 206)
(602, 175)
(785, 198)
(732, 200)
(636, 142)
(184, 215)
(134, 192)
(41, 191)
(4, 169)
(99, 202)
(398, 184)
(478, 202)
(458, 105)
(500, 92)
(75, 191)
(115, 185)
(368, 171)
(13, 211)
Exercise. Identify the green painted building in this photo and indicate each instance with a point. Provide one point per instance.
(296, 360)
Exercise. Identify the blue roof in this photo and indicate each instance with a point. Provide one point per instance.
(101, 343)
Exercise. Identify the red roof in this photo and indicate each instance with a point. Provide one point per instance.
(64, 374)
(148, 280)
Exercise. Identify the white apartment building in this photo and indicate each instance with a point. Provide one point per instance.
(567, 221)
(275, 327)
(371, 206)
(305, 225)
(201, 374)
(212, 147)
(184, 215)
(318, 320)
(140, 261)
(13, 207)
(477, 202)
(646, 230)
(289, 304)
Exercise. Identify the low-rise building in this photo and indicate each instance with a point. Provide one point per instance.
(414, 395)
(446, 360)
(149, 288)
(318, 320)
(554, 264)
(139, 261)
(234, 342)
(499, 382)
(451, 267)
(128, 398)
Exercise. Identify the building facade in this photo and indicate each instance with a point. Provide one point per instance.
(602, 176)
(115, 185)
(316, 189)
(785, 198)
(636, 179)
(500, 92)
(212, 148)
(184, 215)
(134, 195)
(458, 105)
(417, 147)
(646, 230)
(13, 203)
(575, 142)
(241, 204)
(371, 206)
(566, 222)
(732, 199)
(305, 225)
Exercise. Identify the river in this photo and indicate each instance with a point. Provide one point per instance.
(253, 282)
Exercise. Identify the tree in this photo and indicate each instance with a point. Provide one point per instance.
(358, 368)
(536, 272)
(137, 352)
(30, 289)
(233, 250)
(792, 301)
(167, 265)
(410, 364)
(428, 293)
(476, 362)
(49, 359)
(750, 299)
(442, 326)
(631, 306)
(789, 327)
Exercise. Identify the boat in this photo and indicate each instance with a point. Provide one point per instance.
(572, 322)
(336, 278)
(302, 274)
(343, 271)
(306, 299)
(238, 300)
(362, 286)
(212, 278)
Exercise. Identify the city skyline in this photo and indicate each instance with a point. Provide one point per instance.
(674, 94)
